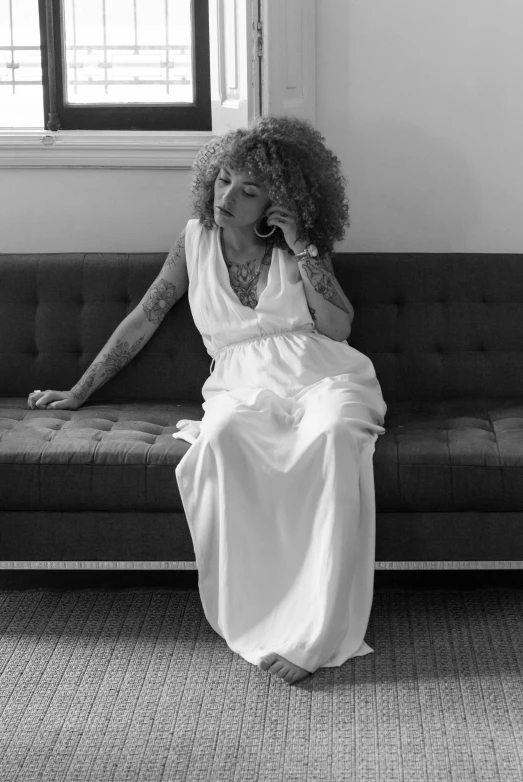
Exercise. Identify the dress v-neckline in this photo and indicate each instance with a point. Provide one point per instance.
(225, 267)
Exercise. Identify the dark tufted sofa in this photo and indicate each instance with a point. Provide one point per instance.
(97, 485)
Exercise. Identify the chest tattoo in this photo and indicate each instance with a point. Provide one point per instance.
(244, 279)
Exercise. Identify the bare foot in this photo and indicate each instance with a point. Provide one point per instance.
(279, 666)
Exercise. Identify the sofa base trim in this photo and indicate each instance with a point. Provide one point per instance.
(59, 564)
(188, 565)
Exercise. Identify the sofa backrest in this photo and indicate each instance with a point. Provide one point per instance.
(434, 325)
(438, 325)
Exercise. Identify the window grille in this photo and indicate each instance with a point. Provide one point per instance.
(105, 64)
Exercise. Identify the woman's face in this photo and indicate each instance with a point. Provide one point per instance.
(236, 192)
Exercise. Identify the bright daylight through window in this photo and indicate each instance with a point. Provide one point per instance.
(116, 52)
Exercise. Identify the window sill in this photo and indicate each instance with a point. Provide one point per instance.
(33, 148)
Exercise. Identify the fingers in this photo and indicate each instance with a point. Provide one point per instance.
(54, 400)
(280, 213)
(39, 399)
(274, 209)
(33, 397)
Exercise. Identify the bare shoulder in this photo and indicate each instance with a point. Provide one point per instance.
(174, 269)
(177, 252)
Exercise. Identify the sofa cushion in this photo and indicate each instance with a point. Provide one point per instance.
(101, 457)
(451, 455)
(439, 455)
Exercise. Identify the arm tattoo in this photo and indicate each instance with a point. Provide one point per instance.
(176, 251)
(83, 388)
(321, 274)
(111, 363)
(119, 356)
(160, 299)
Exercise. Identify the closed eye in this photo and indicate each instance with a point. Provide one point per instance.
(250, 195)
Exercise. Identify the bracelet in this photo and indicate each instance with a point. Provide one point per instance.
(309, 252)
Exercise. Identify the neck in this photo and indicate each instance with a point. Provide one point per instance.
(242, 239)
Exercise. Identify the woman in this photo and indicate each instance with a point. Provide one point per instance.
(278, 484)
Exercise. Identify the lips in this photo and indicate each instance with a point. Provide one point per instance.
(225, 212)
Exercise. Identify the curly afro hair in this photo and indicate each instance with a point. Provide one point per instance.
(288, 158)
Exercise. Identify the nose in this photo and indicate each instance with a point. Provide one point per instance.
(229, 194)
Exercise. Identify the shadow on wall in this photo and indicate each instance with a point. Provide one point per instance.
(409, 192)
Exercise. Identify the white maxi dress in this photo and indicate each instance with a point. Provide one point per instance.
(278, 484)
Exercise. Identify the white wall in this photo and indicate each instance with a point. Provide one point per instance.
(420, 99)
(422, 102)
(90, 210)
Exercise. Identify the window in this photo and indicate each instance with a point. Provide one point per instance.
(261, 55)
(21, 94)
(139, 65)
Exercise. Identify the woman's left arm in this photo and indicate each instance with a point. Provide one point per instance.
(331, 309)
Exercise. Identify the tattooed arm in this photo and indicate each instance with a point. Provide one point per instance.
(129, 337)
(115, 355)
(330, 308)
(139, 326)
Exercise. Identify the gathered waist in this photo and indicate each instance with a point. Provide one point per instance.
(306, 328)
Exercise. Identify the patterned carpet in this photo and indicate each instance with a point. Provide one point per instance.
(135, 685)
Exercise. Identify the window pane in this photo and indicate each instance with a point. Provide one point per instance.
(128, 51)
(23, 108)
(21, 94)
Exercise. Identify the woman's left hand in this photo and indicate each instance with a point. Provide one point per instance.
(285, 219)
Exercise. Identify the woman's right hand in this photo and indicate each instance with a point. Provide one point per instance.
(54, 400)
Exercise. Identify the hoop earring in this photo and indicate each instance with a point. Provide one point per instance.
(264, 236)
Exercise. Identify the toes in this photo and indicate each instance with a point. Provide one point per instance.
(295, 673)
(266, 662)
(283, 669)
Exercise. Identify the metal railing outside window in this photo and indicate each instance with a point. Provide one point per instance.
(105, 64)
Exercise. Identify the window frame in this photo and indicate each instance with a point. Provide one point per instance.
(121, 117)
(261, 55)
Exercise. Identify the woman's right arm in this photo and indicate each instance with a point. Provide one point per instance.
(129, 337)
